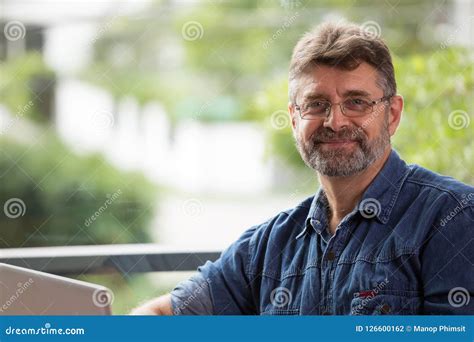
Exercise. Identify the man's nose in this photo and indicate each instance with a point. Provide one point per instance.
(336, 120)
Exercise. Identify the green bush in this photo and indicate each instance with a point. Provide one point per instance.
(61, 192)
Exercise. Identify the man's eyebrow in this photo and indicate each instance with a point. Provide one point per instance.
(356, 92)
(314, 96)
(347, 93)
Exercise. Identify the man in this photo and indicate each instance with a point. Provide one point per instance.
(379, 236)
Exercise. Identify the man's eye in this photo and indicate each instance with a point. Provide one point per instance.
(357, 102)
(316, 104)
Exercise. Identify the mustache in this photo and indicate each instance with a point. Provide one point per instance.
(324, 135)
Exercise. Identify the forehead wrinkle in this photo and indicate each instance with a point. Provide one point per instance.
(309, 83)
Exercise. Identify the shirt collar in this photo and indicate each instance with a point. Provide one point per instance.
(377, 201)
(317, 216)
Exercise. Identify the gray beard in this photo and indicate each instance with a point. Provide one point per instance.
(338, 162)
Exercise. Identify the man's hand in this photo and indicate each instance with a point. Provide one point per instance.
(159, 306)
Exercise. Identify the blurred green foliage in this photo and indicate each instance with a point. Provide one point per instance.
(437, 130)
(61, 191)
(25, 80)
(191, 57)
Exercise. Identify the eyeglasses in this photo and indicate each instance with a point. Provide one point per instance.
(351, 107)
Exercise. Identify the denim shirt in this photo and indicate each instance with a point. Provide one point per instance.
(406, 248)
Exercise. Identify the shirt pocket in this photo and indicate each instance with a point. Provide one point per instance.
(280, 296)
(387, 303)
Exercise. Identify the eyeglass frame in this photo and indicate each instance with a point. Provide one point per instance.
(372, 104)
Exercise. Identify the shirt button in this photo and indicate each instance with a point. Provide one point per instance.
(330, 256)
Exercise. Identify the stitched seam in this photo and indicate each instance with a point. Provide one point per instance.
(376, 260)
(434, 186)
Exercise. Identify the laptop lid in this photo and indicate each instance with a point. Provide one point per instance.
(29, 292)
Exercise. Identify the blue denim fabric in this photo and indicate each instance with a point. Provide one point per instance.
(407, 248)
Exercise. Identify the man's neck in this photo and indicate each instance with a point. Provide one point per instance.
(343, 193)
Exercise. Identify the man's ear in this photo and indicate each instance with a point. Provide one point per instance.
(292, 114)
(396, 110)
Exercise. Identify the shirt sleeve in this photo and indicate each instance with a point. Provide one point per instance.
(192, 297)
(448, 266)
(221, 287)
(228, 278)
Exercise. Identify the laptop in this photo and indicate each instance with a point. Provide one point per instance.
(28, 292)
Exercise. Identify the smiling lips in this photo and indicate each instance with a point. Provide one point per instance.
(337, 142)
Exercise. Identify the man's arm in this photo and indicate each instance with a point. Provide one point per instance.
(218, 288)
(189, 297)
(158, 306)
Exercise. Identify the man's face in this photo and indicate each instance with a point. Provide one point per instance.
(338, 145)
